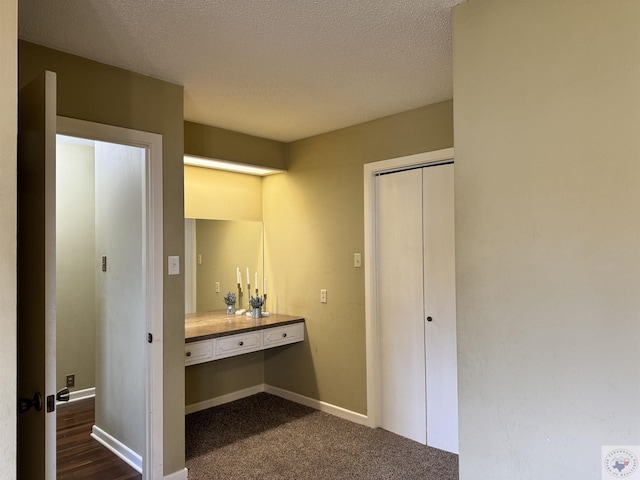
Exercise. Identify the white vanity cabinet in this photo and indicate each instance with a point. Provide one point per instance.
(219, 340)
(198, 352)
(238, 344)
(273, 337)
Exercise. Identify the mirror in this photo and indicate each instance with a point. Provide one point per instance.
(214, 249)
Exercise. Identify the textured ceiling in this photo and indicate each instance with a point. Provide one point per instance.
(281, 69)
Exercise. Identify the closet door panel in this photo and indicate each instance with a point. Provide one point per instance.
(440, 307)
(400, 304)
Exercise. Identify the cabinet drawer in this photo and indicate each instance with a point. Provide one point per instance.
(198, 352)
(237, 344)
(283, 335)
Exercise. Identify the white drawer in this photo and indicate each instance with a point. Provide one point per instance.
(237, 344)
(283, 335)
(198, 352)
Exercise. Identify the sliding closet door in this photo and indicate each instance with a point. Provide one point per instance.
(400, 304)
(440, 308)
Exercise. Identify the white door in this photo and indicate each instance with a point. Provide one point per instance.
(401, 353)
(416, 305)
(440, 308)
(37, 279)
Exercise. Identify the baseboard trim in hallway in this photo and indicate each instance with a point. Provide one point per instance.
(118, 448)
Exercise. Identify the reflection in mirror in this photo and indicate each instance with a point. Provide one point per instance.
(214, 249)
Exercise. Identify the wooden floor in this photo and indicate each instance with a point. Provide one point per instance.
(78, 455)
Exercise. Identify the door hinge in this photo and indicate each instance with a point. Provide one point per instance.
(149, 337)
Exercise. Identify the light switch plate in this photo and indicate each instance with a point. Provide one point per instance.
(174, 265)
(357, 260)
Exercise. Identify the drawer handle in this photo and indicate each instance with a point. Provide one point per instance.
(188, 354)
(241, 343)
(284, 335)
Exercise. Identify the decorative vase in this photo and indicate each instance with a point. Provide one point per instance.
(231, 309)
(256, 313)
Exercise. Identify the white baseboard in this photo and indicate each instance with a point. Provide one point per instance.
(117, 447)
(229, 397)
(80, 395)
(318, 405)
(287, 395)
(179, 475)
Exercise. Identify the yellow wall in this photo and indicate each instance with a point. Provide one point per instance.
(8, 193)
(219, 195)
(96, 92)
(547, 144)
(314, 223)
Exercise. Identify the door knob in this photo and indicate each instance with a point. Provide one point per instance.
(63, 395)
(429, 319)
(25, 404)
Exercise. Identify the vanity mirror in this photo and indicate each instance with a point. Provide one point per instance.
(214, 249)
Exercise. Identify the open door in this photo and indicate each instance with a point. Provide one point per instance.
(36, 279)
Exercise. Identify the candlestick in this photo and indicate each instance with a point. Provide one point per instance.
(264, 286)
(248, 281)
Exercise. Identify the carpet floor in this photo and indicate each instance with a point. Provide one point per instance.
(266, 437)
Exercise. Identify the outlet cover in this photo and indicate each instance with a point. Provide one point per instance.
(71, 380)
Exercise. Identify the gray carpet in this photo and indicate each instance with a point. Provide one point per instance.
(267, 437)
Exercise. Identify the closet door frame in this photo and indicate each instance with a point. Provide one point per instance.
(371, 170)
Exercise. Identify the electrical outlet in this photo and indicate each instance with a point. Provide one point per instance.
(71, 380)
(323, 296)
(217, 287)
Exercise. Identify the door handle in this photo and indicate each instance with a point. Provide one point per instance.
(63, 395)
(25, 404)
(429, 319)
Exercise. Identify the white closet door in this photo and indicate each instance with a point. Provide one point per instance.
(440, 307)
(400, 304)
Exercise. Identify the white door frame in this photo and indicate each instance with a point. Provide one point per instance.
(371, 267)
(153, 273)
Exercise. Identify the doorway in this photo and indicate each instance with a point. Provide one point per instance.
(410, 298)
(109, 284)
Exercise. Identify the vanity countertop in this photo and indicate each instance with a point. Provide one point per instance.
(202, 326)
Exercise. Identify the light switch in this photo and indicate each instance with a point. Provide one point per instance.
(323, 296)
(174, 265)
(357, 260)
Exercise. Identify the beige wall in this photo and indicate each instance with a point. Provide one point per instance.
(8, 133)
(95, 92)
(214, 194)
(314, 223)
(215, 379)
(547, 122)
(119, 291)
(75, 265)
